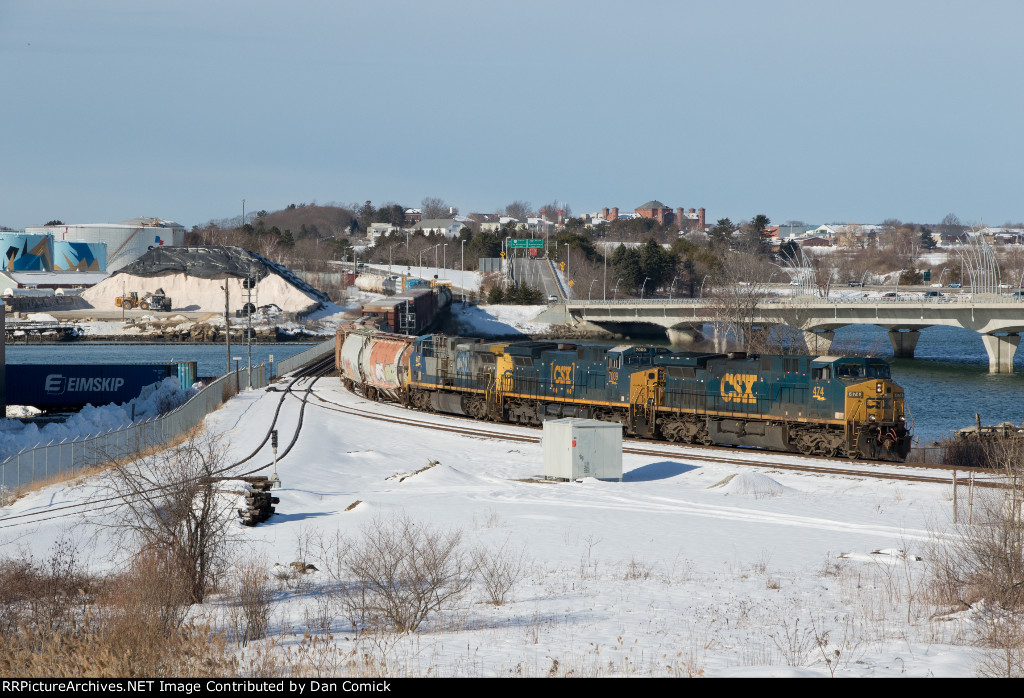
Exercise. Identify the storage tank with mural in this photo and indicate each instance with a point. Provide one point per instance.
(126, 241)
(79, 256)
(27, 251)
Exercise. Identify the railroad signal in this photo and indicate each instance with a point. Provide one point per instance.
(273, 439)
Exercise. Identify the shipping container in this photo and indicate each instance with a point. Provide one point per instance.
(73, 386)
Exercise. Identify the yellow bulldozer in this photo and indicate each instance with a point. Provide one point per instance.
(149, 301)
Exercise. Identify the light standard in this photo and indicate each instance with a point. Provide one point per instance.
(672, 289)
(590, 289)
(390, 252)
(604, 256)
(615, 291)
(646, 279)
(445, 257)
(436, 268)
(462, 268)
(941, 274)
(702, 286)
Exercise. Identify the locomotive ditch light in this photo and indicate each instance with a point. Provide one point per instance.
(878, 388)
(871, 417)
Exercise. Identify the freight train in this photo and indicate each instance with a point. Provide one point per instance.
(814, 405)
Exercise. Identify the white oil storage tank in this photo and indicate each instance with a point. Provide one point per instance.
(579, 448)
(125, 241)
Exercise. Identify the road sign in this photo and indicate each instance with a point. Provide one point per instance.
(571, 283)
(525, 243)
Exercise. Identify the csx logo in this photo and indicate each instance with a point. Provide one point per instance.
(738, 387)
(562, 375)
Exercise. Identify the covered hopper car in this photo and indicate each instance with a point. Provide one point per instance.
(814, 405)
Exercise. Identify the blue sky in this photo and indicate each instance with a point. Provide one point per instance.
(800, 110)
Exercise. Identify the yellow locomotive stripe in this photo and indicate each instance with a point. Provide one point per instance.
(625, 405)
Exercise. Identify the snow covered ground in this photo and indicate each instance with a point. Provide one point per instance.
(686, 567)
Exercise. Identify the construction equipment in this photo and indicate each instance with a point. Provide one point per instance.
(128, 300)
(157, 300)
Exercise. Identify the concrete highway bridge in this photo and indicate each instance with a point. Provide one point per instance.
(998, 319)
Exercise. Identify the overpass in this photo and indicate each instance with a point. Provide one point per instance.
(998, 319)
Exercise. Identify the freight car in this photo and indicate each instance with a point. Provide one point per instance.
(410, 313)
(62, 387)
(814, 405)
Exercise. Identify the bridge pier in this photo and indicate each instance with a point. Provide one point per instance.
(1001, 349)
(819, 342)
(903, 343)
(684, 336)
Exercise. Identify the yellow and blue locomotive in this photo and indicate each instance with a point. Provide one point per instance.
(824, 405)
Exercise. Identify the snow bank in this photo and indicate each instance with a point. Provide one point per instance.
(154, 400)
(752, 484)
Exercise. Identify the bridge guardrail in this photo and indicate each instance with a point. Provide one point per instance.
(795, 301)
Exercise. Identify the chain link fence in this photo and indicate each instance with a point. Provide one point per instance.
(58, 460)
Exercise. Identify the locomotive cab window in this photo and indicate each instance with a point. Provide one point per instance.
(850, 371)
(878, 371)
(822, 373)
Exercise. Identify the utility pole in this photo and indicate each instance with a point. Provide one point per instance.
(249, 307)
(227, 326)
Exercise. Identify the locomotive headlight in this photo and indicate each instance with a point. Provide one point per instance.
(878, 388)
(871, 417)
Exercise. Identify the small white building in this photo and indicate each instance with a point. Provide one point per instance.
(579, 448)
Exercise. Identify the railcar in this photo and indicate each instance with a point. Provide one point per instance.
(815, 405)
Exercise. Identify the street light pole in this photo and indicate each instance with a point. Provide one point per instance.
(462, 268)
(615, 291)
(590, 289)
(646, 279)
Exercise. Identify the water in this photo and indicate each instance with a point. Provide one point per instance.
(947, 381)
(211, 358)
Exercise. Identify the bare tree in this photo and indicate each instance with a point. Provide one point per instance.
(171, 506)
(739, 285)
(434, 207)
(404, 571)
(520, 210)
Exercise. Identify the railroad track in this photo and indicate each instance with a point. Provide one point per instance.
(714, 454)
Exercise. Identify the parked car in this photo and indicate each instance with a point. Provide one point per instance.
(956, 284)
(855, 283)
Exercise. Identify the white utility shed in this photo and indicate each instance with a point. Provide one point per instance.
(578, 448)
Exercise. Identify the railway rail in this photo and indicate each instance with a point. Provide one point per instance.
(708, 454)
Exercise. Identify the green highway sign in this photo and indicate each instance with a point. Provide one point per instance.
(525, 243)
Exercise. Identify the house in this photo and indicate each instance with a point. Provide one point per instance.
(378, 230)
(440, 226)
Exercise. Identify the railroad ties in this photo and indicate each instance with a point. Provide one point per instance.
(259, 503)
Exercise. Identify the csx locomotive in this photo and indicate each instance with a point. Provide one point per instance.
(814, 405)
